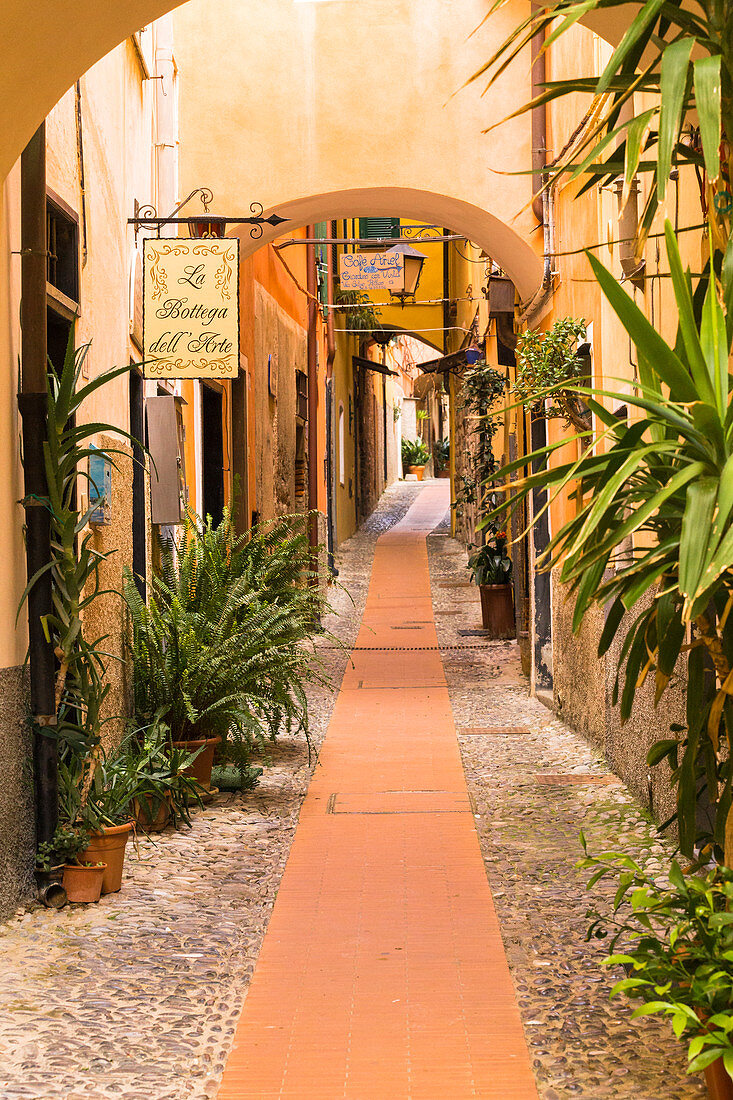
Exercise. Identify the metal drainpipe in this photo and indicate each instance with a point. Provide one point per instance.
(539, 124)
(32, 405)
(330, 356)
(542, 204)
(312, 287)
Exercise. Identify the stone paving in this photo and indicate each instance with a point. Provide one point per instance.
(533, 794)
(138, 997)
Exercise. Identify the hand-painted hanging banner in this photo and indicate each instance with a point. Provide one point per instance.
(191, 307)
(371, 270)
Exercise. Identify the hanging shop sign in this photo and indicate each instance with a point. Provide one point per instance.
(191, 307)
(372, 270)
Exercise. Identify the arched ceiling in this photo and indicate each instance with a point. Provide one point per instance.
(47, 45)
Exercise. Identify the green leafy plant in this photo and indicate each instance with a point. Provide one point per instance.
(63, 847)
(490, 563)
(75, 563)
(675, 940)
(656, 519)
(548, 363)
(441, 452)
(357, 311)
(681, 58)
(223, 646)
(482, 390)
(414, 453)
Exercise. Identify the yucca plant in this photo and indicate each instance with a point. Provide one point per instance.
(222, 647)
(666, 480)
(75, 563)
(681, 55)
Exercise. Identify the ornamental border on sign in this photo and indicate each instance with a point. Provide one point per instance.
(190, 245)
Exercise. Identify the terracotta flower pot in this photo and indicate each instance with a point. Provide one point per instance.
(109, 847)
(443, 473)
(497, 610)
(718, 1081)
(418, 471)
(200, 770)
(152, 815)
(83, 884)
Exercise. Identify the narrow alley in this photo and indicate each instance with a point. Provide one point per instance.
(394, 963)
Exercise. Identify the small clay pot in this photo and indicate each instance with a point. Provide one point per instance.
(418, 471)
(108, 847)
(83, 883)
(152, 815)
(497, 610)
(200, 770)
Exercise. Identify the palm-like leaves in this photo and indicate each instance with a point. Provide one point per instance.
(666, 482)
(680, 53)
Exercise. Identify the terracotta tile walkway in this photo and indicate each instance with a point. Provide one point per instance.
(382, 975)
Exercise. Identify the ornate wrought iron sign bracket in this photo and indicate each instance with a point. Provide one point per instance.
(205, 224)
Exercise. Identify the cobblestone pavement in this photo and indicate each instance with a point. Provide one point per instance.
(533, 794)
(138, 996)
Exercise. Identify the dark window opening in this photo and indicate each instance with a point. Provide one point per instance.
(213, 454)
(62, 267)
(59, 331)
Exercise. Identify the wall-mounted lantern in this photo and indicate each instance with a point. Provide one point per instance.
(413, 265)
(209, 226)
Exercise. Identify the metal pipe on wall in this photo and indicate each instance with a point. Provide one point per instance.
(330, 357)
(312, 287)
(32, 405)
(539, 124)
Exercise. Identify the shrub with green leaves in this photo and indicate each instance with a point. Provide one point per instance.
(675, 940)
(223, 646)
(548, 365)
(414, 453)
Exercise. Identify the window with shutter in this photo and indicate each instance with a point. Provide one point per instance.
(379, 228)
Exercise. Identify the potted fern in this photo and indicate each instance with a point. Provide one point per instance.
(221, 651)
(491, 570)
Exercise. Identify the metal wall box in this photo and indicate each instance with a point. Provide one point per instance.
(165, 481)
(501, 295)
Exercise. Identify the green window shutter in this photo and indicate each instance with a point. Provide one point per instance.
(379, 228)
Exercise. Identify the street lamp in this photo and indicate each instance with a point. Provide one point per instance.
(412, 269)
(208, 226)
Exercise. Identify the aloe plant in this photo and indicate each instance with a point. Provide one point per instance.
(75, 563)
(665, 479)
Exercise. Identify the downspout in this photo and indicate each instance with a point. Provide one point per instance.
(330, 356)
(312, 287)
(33, 409)
(542, 203)
(82, 172)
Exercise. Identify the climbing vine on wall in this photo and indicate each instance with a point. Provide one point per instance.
(550, 360)
(482, 388)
